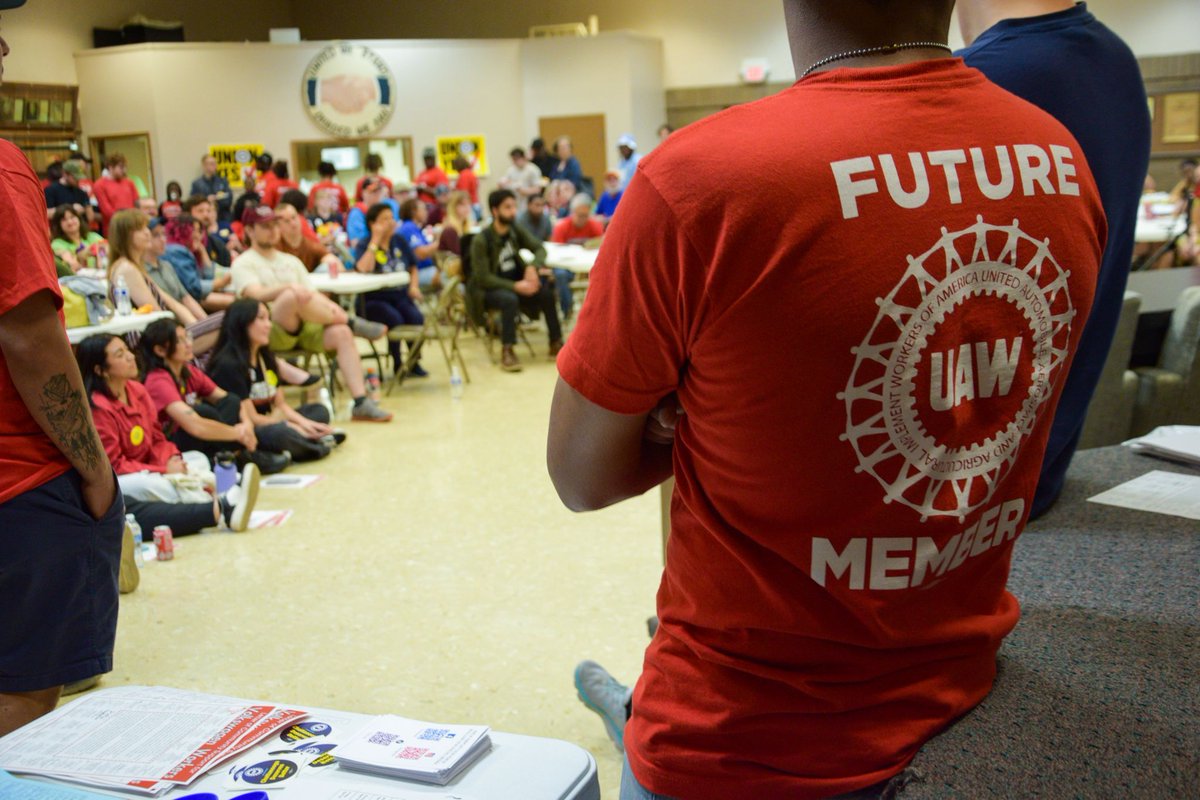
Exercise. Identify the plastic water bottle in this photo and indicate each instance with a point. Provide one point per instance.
(135, 533)
(226, 472)
(121, 295)
(373, 383)
(326, 400)
(456, 383)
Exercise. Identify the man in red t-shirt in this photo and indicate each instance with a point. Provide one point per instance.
(854, 407)
(581, 226)
(432, 184)
(114, 192)
(61, 517)
(328, 183)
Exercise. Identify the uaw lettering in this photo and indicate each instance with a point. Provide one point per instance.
(935, 414)
(1026, 168)
(885, 563)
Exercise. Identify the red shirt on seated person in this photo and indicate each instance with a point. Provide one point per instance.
(580, 226)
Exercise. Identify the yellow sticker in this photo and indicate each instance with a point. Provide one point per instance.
(272, 378)
(137, 435)
(380, 257)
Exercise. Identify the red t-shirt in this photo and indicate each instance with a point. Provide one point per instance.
(275, 189)
(868, 392)
(434, 176)
(565, 231)
(28, 457)
(336, 188)
(130, 433)
(468, 182)
(113, 196)
(163, 390)
(358, 195)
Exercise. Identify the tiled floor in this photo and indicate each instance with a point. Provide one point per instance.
(432, 573)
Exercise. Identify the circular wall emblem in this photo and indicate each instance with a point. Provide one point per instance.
(950, 380)
(349, 90)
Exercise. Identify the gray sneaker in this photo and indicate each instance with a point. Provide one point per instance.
(609, 698)
(367, 329)
(369, 411)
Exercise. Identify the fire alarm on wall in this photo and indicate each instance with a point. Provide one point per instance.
(755, 70)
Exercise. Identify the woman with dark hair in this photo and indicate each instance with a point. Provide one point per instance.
(243, 365)
(73, 241)
(279, 183)
(161, 485)
(385, 250)
(193, 411)
(173, 205)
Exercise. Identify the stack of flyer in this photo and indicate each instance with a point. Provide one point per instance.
(139, 739)
(1174, 442)
(397, 747)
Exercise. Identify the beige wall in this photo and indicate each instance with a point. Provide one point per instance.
(616, 74)
(704, 41)
(250, 93)
(45, 34)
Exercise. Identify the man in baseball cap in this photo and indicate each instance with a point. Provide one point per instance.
(627, 147)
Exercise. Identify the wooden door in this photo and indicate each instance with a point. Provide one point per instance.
(587, 135)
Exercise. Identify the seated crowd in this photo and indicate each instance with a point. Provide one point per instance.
(234, 271)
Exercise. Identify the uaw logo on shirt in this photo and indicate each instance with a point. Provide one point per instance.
(349, 90)
(952, 376)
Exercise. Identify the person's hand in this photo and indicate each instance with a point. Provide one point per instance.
(526, 287)
(222, 282)
(70, 260)
(381, 231)
(414, 292)
(245, 436)
(212, 198)
(348, 94)
(176, 466)
(663, 419)
(98, 495)
(319, 429)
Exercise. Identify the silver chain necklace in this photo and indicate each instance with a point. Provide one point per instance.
(864, 51)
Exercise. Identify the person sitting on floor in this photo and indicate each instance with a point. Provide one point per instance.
(131, 240)
(195, 413)
(244, 366)
(74, 244)
(385, 250)
(303, 318)
(161, 485)
(501, 281)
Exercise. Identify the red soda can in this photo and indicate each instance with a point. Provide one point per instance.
(164, 540)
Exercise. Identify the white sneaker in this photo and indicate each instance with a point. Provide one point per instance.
(605, 695)
(239, 501)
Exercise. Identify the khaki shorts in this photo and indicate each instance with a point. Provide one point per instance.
(310, 339)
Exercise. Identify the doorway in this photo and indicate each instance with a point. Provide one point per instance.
(587, 134)
(136, 149)
(348, 156)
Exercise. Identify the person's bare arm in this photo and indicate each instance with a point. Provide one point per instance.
(47, 377)
(256, 291)
(596, 457)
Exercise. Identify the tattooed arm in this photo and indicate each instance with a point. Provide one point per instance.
(43, 368)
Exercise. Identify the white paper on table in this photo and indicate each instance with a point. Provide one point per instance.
(14, 789)
(139, 733)
(289, 481)
(355, 794)
(1159, 492)
(1177, 442)
(269, 519)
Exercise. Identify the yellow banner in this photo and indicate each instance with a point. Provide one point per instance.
(234, 159)
(472, 148)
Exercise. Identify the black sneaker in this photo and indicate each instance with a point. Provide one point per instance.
(418, 371)
(269, 463)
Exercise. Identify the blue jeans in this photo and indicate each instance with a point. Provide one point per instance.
(632, 790)
(562, 281)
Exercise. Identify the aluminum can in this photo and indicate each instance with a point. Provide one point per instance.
(164, 540)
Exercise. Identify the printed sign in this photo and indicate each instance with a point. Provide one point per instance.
(349, 90)
(233, 159)
(472, 148)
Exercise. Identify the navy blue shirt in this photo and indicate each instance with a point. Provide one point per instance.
(397, 258)
(569, 171)
(1073, 67)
